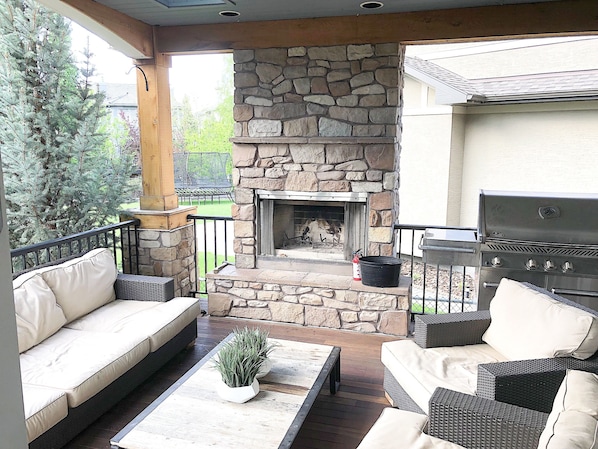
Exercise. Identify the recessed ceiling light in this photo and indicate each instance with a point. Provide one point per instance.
(229, 13)
(371, 5)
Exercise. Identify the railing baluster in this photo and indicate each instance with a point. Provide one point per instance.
(442, 290)
(218, 246)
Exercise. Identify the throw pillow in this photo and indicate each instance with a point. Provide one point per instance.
(572, 422)
(83, 284)
(37, 313)
(531, 323)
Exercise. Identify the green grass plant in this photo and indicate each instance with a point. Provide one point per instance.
(237, 364)
(254, 339)
(417, 308)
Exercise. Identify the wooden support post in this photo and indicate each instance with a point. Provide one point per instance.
(155, 129)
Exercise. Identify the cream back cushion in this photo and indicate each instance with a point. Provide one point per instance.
(82, 285)
(37, 313)
(529, 324)
(573, 420)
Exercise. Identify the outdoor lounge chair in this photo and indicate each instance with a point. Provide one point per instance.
(517, 352)
(458, 421)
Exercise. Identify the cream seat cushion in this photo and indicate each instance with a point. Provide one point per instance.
(420, 371)
(44, 408)
(38, 314)
(158, 321)
(573, 420)
(83, 284)
(404, 430)
(529, 324)
(81, 363)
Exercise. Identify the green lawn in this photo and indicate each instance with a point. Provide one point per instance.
(214, 209)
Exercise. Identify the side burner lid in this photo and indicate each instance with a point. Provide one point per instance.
(566, 218)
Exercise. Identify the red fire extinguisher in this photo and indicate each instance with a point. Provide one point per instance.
(356, 266)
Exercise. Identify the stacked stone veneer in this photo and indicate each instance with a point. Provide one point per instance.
(167, 253)
(314, 119)
(310, 299)
(317, 119)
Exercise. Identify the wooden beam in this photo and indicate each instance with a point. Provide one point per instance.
(131, 37)
(566, 17)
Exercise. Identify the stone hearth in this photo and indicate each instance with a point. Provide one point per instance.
(309, 299)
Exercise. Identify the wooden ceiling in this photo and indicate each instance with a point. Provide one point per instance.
(142, 29)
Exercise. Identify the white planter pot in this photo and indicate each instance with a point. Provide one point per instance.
(265, 368)
(238, 394)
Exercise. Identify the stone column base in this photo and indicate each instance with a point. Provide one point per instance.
(169, 252)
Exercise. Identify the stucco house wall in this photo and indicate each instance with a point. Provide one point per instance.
(450, 152)
(543, 147)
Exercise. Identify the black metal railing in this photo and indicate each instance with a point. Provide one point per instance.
(213, 246)
(434, 288)
(53, 251)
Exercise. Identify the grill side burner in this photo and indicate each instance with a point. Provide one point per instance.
(550, 240)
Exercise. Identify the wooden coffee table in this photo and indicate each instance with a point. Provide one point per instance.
(190, 414)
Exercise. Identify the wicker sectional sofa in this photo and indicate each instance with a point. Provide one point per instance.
(516, 353)
(88, 336)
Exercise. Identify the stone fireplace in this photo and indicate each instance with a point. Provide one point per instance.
(315, 172)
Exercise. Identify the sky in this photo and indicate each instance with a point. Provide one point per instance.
(196, 76)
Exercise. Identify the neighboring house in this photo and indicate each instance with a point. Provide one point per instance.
(514, 115)
(121, 99)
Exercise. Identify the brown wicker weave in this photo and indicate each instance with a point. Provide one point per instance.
(144, 288)
(452, 329)
(478, 423)
(399, 397)
(528, 383)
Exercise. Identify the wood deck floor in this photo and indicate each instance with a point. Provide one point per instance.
(335, 422)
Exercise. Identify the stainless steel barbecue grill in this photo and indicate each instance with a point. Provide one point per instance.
(547, 239)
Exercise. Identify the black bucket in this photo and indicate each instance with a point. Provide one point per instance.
(380, 271)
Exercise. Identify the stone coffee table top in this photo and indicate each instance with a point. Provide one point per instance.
(190, 414)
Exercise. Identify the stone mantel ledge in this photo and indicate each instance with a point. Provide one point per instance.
(305, 279)
(314, 140)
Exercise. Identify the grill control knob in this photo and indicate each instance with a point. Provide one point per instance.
(496, 262)
(531, 264)
(549, 265)
(567, 267)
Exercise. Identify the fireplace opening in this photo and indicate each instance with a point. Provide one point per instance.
(307, 227)
(311, 229)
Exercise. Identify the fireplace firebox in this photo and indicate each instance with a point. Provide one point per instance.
(322, 225)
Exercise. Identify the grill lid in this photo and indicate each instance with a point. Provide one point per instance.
(560, 218)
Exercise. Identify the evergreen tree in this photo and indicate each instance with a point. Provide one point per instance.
(59, 175)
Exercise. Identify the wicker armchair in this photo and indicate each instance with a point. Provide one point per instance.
(457, 420)
(531, 384)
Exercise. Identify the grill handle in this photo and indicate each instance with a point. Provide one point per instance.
(565, 291)
(490, 284)
(446, 249)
